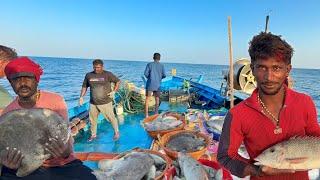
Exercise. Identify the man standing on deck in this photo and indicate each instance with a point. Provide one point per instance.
(6, 55)
(154, 73)
(24, 76)
(99, 82)
(272, 114)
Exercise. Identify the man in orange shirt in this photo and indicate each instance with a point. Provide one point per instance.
(24, 76)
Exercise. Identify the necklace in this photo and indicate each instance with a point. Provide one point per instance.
(278, 129)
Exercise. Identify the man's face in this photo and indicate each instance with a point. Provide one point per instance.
(98, 68)
(157, 58)
(24, 86)
(270, 74)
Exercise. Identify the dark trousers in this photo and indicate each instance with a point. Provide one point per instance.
(74, 170)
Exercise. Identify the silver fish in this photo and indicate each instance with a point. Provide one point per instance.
(297, 153)
(163, 122)
(159, 162)
(191, 169)
(28, 130)
(133, 166)
(215, 123)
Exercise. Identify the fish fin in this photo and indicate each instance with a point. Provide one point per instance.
(100, 175)
(297, 160)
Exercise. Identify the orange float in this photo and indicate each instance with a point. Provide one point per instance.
(94, 156)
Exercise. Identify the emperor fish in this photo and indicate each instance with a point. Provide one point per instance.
(297, 153)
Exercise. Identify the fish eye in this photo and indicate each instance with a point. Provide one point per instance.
(272, 150)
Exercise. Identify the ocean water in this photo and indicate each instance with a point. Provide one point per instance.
(65, 76)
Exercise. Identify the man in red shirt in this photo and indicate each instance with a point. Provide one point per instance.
(273, 113)
(24, 76)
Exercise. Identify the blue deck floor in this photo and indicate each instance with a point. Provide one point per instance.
(132, 135)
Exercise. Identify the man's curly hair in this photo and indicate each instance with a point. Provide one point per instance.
(267, 45)
(7, 53)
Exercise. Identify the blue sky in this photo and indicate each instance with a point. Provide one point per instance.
(183, 31)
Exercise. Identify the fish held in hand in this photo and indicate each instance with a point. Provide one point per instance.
(297, 153)
(28, 130)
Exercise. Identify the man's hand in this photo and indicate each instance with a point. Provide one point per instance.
(80, 101)
(111, 94)
(57, 148)
(272, 171)
(11, 158)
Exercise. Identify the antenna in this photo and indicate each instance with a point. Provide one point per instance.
(267, 23)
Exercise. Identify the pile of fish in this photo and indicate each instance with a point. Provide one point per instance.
(190, 169)
(164, 121)
(28, 130)
(186, 142)
(132, 166)
(192, 115)
(297, 153)
(215, 124)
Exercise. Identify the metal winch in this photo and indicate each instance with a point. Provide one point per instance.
(243, 77)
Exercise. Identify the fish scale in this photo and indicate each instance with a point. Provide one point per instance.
(186, 142)
(28, 130)
(133, 166)
(299, 153)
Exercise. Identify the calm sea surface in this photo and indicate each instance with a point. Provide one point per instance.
(65, 76)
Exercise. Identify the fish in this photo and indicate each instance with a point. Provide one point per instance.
(186, 142)
(213, 173)
(159, 163)
(133, 166)
(164, 121)
(28, 130)
(191, 169)
(151, 174)
(297, 153)
(215, 124)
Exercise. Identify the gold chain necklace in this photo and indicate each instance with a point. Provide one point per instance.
(278, 129)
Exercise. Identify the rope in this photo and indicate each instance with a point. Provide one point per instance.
(132, 102)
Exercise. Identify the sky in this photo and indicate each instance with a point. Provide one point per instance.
(183, 31)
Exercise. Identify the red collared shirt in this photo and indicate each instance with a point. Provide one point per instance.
(246, 123)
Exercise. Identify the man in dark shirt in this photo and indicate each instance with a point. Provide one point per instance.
(99, 82)
(154, 72)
